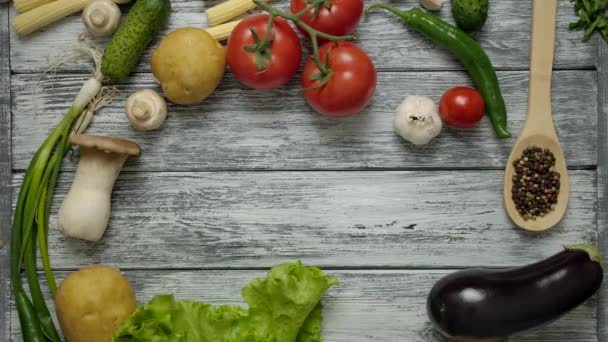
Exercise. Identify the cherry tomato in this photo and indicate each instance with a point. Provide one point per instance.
(279, 61)
(351, 85)
(335, 17)
(461, 107)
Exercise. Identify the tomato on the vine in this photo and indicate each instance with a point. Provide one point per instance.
(334, 17)
(348, 84)
(261, 64)
(462, 107)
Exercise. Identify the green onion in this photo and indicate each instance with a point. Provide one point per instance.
(40, 177)
(30, 222)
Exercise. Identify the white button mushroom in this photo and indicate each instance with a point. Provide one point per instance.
(417, 120)
(101, 17)
(432, 5)
(146, 110)
(85, 211)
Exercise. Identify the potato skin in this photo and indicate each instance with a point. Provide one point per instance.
(92, 302)
(189, 64)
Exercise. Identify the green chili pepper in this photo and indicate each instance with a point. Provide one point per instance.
(468, 52)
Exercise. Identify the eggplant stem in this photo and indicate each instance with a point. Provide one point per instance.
(592, 250)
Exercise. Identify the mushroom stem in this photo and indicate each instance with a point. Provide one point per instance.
(141, 109)
(146, 110)
(98, 17)
(101, 17)
(85, 211)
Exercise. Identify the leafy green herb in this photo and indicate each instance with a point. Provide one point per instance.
(592, 18)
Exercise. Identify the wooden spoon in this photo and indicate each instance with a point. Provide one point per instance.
(539, 129)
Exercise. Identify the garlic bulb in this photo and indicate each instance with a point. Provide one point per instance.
(101, 17)
(432, 5)
(146, 110)
(417, 120)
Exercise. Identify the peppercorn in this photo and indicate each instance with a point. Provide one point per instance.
(536, 184)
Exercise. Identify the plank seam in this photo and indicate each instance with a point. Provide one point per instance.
(5, 171)
(379, 70)
(370, 169)
(422, 268)
(602, 182)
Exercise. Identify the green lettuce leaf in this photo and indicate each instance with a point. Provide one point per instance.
(166, 320)
(311, 329)
(284, 307)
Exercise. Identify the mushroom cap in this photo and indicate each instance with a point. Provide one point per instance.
(146, 110)
(107, 144)
(101, 17)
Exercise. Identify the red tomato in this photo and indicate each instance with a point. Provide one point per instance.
(461, 107)
(339, 19)
(351, 86)
(283, 57)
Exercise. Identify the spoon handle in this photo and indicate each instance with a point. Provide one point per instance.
(541, 65)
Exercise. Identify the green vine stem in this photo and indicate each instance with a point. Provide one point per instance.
(297, 19)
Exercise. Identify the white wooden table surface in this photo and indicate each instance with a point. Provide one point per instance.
(249, 179)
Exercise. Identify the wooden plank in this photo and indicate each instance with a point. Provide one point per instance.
(333, 219)
(602, 180)
(5, 172)
(237, 129)
(378, 306)
(505, 37)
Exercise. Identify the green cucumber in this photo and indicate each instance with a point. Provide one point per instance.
(470, 14)
(145, 20)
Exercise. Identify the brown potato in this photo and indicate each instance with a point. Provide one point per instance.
(189, 64)
(92, 303)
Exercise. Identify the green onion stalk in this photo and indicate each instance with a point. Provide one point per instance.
(30, 221)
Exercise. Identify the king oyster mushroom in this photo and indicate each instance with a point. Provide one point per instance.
(85, 211)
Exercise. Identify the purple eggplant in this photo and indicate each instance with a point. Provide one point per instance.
(488, 305)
